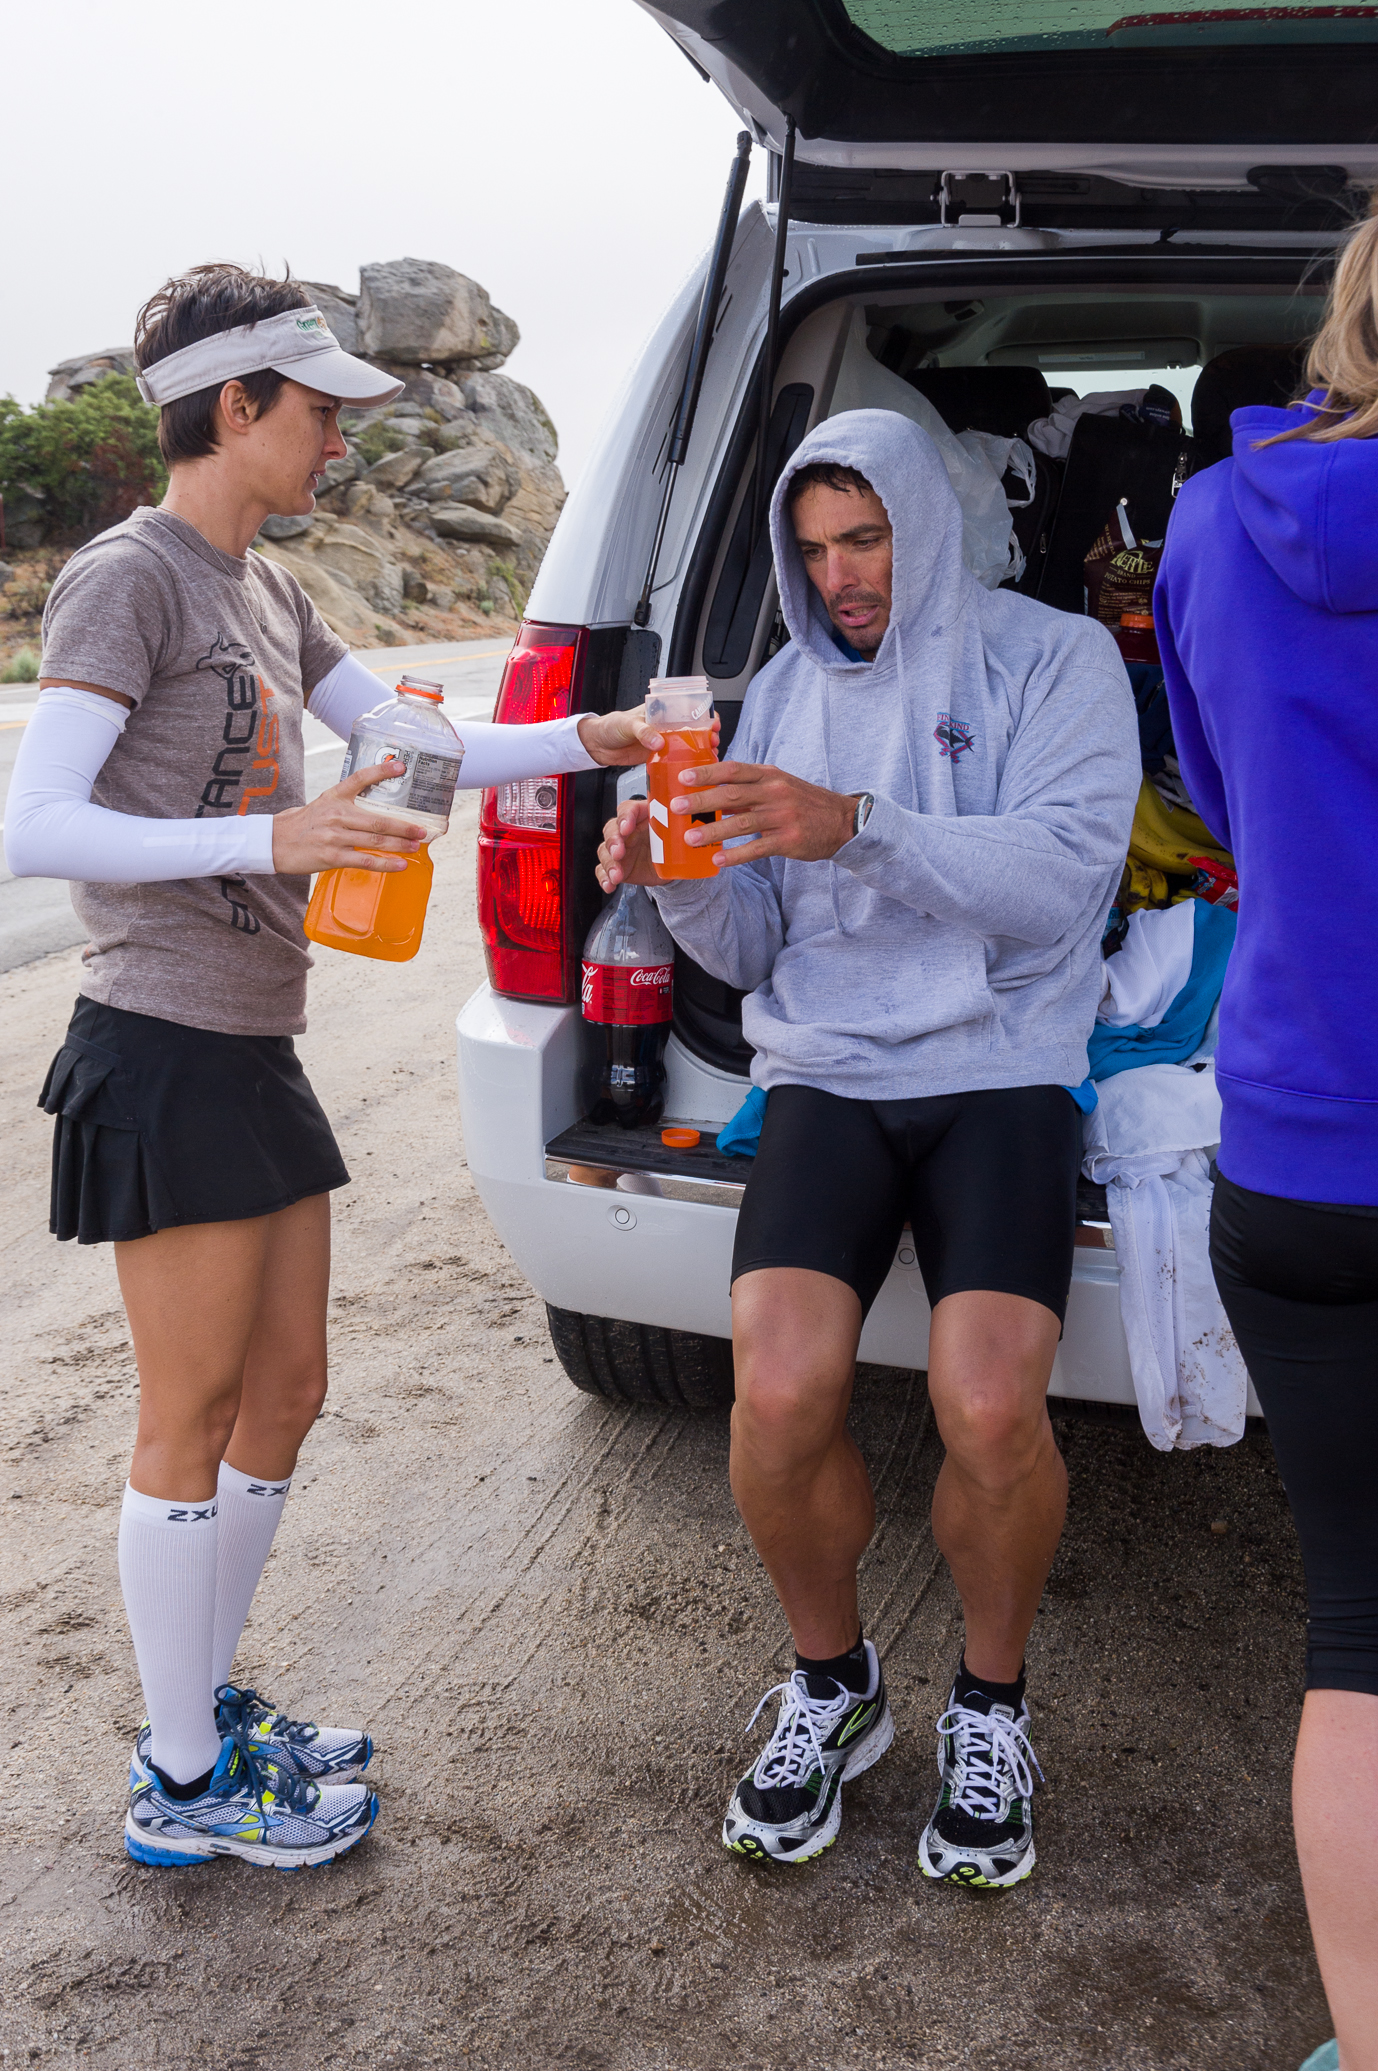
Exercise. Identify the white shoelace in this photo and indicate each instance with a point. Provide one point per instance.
(784, 1758)
(987, 1744)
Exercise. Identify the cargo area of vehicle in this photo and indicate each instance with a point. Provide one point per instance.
(992, 347)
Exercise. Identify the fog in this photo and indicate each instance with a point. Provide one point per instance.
(567, 156)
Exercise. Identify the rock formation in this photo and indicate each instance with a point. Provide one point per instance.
(447, 497)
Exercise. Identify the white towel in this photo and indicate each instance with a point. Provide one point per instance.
(1144, 977)
(1149, 1142)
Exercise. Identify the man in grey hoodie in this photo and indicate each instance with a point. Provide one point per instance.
(925, 818)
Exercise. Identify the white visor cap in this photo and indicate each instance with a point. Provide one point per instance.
(298, 343)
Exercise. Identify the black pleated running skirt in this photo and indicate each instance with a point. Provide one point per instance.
(157, 1125)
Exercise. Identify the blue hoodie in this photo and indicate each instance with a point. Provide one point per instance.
(1267, 615)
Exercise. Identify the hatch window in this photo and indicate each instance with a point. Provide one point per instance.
(924, 28)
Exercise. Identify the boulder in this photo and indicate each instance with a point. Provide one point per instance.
(461, 521)
(284, 528)
(338, 308)
(477, 475)
(510, 412)
(349, 551)
(395, 470)
(426, 314)
(338, 602)
(343, 470)
(69, 378)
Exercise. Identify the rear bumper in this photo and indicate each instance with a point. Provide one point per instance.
(655, 1259)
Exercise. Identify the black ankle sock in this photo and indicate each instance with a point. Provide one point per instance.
(183, 1792)
(852, 1670)
(979, 1693)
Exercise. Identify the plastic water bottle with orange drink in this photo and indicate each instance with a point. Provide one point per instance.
(680, 708)
(381, 913)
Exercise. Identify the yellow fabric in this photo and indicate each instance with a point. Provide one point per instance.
(1167, 837)
(1141, 886)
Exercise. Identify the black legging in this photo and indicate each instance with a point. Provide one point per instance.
(1300, 1287)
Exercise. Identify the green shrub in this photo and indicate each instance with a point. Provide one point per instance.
(375, 441)
(94, 458)
(21, 667)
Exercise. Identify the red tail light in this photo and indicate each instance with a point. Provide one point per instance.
(525, 829)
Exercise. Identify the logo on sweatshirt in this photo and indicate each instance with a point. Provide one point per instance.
(953, 736)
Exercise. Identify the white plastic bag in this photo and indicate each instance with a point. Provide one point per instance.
(989, 547)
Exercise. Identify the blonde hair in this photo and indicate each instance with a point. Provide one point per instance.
(1343, 359)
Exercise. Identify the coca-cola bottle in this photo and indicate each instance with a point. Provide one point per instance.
(629, 968)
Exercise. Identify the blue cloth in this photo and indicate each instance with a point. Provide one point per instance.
(1155, 721)
(1267, 614)
(739, 1138)
(1180, 1032)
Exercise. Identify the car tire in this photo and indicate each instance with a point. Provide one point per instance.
(638, 1363)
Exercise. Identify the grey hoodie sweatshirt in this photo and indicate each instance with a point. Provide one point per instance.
(955, 942)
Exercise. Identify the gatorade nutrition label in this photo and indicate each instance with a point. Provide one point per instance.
(427, 785)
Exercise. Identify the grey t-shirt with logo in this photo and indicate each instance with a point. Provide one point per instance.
(218, 655)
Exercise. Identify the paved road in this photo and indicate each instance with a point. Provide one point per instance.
(36, 914)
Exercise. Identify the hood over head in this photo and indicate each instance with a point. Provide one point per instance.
(934, 596)
(1308, 507)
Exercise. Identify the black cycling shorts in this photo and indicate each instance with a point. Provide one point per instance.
(1299, 1281)
(988, 1180)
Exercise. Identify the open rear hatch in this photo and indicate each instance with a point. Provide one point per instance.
(1041, 112)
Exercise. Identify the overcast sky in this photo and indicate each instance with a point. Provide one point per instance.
(562, 152)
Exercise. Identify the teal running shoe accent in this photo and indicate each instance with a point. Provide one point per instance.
(324, 1754)
(255, 1807)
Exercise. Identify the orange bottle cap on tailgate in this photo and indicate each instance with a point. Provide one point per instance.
(679, 1139)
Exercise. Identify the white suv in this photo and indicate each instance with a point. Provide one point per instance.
(978, 201)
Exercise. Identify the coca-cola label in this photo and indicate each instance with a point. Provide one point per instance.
(627, 995)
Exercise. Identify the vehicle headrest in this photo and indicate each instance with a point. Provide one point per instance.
(1235, 380)
(1004, 400)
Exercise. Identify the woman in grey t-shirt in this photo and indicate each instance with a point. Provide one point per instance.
(162, 773)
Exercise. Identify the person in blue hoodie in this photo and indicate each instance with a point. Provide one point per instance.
(928, 806)
(1267, 616)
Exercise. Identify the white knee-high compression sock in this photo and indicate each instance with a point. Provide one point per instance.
(167, 1573)
(250, 1507)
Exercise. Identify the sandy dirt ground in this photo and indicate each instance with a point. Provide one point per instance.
(550, 1617)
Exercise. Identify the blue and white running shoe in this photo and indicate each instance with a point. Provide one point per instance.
(324, 1754)
(255, 1807)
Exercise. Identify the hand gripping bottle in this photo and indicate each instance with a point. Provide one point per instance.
(381, 912)
(681, 709)
(629, 969)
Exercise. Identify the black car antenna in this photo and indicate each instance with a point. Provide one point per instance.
(777, 275)
(698, 357)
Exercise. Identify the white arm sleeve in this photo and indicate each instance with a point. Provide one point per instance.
(492, 754)
(53, 830)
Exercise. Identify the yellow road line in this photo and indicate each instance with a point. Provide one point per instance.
(437, 661)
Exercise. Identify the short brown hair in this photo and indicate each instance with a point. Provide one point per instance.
(195, 305)
(824, 474)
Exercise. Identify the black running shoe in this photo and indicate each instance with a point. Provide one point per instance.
(981, 1832)
(789, 1807)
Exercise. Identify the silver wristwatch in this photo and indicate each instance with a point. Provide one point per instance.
(863, 811)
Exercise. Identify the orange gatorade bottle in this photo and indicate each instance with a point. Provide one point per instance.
(680, 708)
(381, 912)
